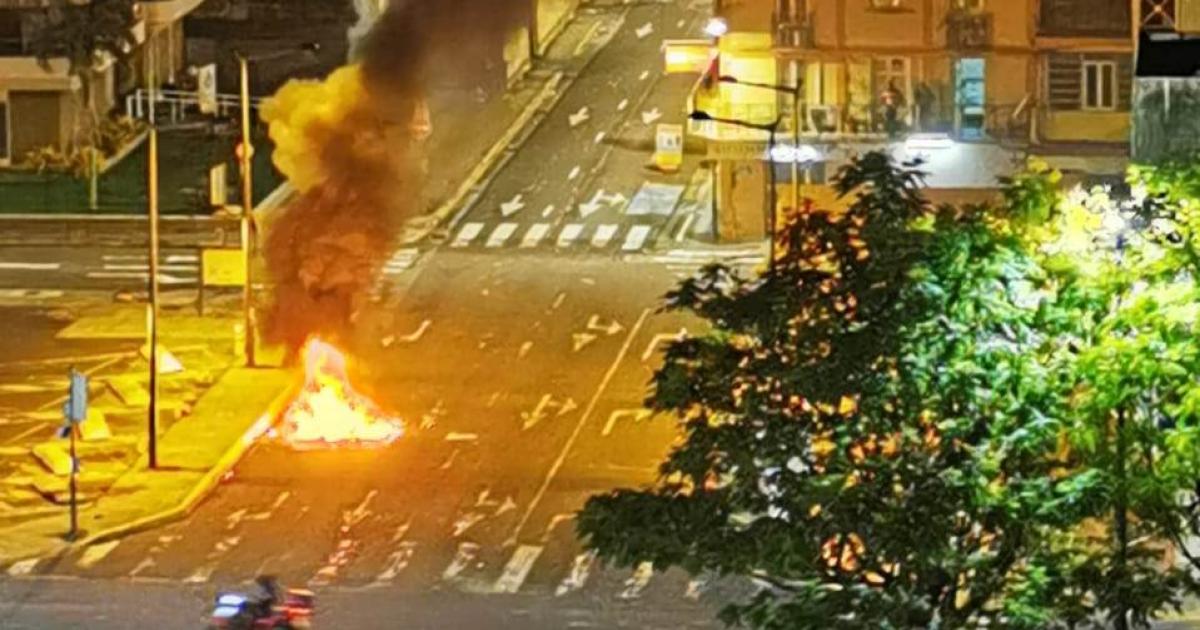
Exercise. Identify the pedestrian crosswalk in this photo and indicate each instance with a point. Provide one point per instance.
(173, 269)
(601, 237)
(401, 261)
(468, 567)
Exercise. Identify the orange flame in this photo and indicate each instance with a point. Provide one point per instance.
(328, 410)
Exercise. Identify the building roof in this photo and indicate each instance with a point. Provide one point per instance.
(1168, 55)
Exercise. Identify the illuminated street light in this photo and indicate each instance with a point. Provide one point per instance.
(716, 27)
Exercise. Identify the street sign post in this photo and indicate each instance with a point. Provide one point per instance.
(74, 413)
(206, 88)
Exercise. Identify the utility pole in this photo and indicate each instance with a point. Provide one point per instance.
(152, 307)
(247, 214)
(74, 412)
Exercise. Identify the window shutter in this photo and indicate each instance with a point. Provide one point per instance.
(1064, 75)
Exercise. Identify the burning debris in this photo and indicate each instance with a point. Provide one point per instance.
(328, 411)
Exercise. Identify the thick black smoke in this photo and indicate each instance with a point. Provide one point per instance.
(353, 145)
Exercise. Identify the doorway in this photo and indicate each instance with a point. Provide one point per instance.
(970, 97)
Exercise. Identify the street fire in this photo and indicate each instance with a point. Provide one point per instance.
(328, 411)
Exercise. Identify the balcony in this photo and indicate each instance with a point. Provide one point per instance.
(969, 31)
(792, 31)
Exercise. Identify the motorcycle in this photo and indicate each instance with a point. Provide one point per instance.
(237, 611)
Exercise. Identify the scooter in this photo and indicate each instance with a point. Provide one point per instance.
(237, 611)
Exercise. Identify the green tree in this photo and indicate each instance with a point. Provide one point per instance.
(86, 34)
(864, 425)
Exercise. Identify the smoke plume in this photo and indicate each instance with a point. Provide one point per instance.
(353, 147)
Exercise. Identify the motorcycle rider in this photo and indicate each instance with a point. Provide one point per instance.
(268, 594)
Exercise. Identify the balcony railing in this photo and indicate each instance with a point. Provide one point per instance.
(969, 31)
(793, 31)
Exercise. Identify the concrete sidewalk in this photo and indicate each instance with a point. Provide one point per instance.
(193, 456)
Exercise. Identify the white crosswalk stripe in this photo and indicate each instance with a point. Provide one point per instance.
(569, 234)
(517, 569)
(635, 240)
(536, 233)
(467, 234)
(401, 261)
(501, 234)
(604, 234)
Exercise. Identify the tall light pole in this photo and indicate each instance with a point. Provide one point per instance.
(152, 307)
(247, 222)
(794, 91)
(772, 129)
(247, 150)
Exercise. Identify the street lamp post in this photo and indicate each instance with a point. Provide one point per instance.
(247, 213)
(794, 91)
(772, 129)
(247, 220)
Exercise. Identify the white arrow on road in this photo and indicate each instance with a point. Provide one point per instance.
(611, 328)
(637, 415)
(579, 117)
(513, 206)
(589, 208)
(615, 199)
(644, 31)
(660, 338)
(581, 340)
(651, 116)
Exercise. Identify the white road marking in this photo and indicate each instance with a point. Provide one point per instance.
(512, 206)
(146, 268)
(508, 506)
(683, 229)
(610, 328)
(638, 581)
(580, 569)
(575, 172)
(601, 136)
(22, 266)
(517, 569)
(280, 500)
(569, 233)
(558, 300)
(579, 341)
(637, 415)
(466, 553)
(501, 234)
(418, 333)
(31, 294)
(555, 521)
(540, 411)
(604, 234)
(583, 418)
(146, 563)
(661, 338)
(125, 275)
(467, 234)
(524, 350)
(622, 105)
(201, 575)
(644, 75)
(645, 30)
(462, 437)
(579, 117)
(549, 210)
(397, 562)
(651, 116)
(24, 567)
(534, 235)
(635, 239)
(95, 554)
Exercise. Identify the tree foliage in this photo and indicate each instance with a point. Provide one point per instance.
(935, 417)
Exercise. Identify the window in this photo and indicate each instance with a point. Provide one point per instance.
(1099, 89)
(892, 74)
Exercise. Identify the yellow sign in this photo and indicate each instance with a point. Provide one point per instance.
(668, 154)
(223, 268)
(687, 56)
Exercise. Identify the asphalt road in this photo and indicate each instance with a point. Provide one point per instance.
(521, 395)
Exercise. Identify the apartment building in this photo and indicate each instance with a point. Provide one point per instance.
(1166, 104)
(40, 104)
(969, 85)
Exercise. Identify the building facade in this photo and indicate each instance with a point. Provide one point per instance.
(1166, 104)
(41, 104)
(971, 86)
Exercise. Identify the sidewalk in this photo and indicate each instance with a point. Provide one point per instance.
(193, 456)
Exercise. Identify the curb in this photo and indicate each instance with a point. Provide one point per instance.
(207, 483)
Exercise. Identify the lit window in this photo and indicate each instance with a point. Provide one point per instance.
(1099, 89)
(887, 4)
(969, 6)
